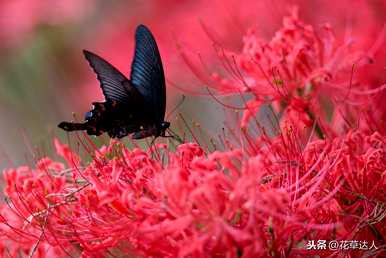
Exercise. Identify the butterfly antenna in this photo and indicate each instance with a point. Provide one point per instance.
(176, 107)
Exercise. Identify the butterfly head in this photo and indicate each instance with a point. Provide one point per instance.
(88, 115)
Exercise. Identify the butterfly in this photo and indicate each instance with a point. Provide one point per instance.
(132, 106)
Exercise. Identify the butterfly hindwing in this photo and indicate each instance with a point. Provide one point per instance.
(147, 73)
(114, 84)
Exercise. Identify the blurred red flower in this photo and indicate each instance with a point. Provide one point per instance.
(19, 18)
(308, 75)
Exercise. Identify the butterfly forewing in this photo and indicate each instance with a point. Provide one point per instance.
(147, 73)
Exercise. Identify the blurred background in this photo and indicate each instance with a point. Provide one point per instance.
(44, 77)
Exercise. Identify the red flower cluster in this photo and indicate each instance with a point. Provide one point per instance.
(266, 197)
(190, 203)
(307, 75)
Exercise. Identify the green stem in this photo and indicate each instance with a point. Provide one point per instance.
(318, 129)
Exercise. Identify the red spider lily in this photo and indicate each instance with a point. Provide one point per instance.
(306, 74)
(262, 197)
(200, 204)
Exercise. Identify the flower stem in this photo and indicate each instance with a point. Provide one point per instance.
(318, 129)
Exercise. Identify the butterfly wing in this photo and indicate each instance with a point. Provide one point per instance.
(115, 86)
(147, 73)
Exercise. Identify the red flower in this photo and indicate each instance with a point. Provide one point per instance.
(201, 204)
(260, 196)
(307, 74)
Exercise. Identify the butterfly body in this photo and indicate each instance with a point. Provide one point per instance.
(133, 106)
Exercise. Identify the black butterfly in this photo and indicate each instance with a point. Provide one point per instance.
(132, 106)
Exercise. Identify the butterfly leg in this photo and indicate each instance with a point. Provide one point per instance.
(173, 135)
(150, 131)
